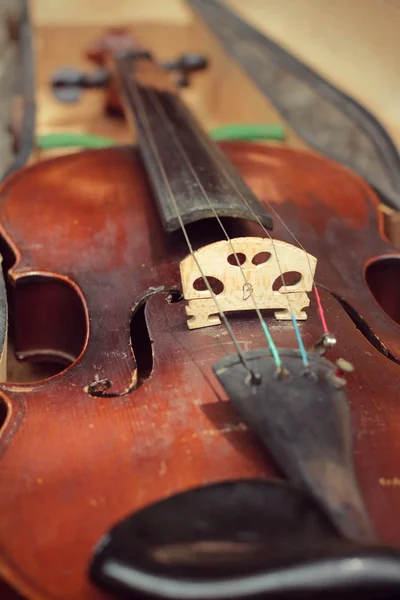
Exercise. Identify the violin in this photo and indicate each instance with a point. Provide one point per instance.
(226, 320)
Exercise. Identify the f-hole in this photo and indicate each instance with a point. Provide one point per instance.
(142, 344)
(383, 279)
(3, 413)
(46, 323)
(47, 327)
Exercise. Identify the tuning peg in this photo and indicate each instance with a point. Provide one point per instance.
(184, 65)
(67, 83)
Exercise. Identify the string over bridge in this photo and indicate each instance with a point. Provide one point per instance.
(263, 262)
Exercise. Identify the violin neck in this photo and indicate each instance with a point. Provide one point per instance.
(190, 177)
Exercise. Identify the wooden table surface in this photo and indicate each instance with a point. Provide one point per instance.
(221, 94)
(354, 44)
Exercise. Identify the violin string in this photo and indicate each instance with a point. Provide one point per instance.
(215, 152)
(247, 285)
(153, 144)
(321, 311)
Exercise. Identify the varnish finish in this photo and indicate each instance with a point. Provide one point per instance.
(85, 233)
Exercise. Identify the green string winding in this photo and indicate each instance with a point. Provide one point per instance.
(234, 131)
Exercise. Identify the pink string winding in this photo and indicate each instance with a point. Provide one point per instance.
(321, 310)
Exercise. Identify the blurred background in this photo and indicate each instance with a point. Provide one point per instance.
(353, 44)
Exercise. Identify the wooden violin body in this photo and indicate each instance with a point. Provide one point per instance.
(137, 414)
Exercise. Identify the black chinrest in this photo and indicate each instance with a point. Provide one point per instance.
(240, 539)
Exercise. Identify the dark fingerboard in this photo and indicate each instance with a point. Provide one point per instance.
(190, 177)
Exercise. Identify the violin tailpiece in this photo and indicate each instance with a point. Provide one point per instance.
(272, 275)
(304, 421)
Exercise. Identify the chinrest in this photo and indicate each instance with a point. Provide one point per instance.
(239, 539)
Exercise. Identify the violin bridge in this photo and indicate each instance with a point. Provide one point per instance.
(256, 280)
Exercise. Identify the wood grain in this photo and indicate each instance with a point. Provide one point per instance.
(248, 270)
(74, 463)
(218, 96)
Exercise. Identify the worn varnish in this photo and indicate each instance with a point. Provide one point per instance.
(89, 250)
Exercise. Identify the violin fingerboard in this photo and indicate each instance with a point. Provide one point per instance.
(190, 177)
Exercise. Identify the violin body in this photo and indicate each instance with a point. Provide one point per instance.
(135, 414)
